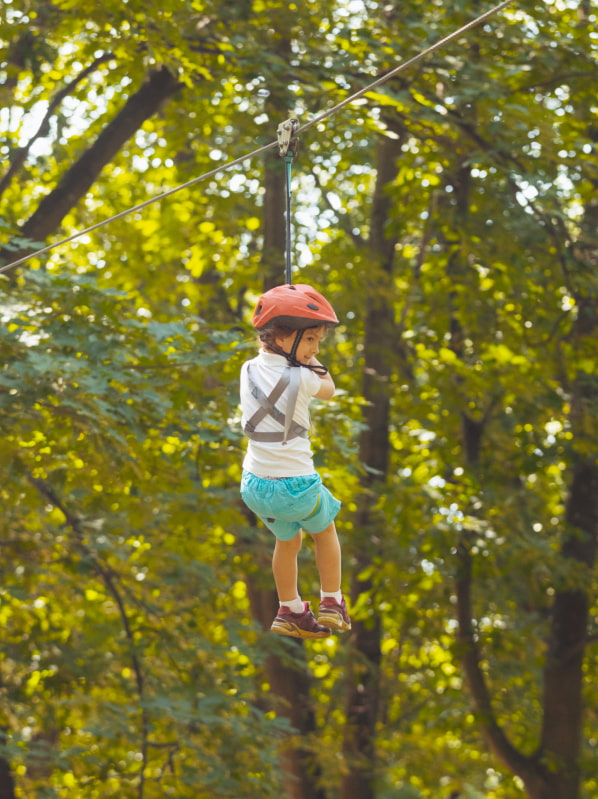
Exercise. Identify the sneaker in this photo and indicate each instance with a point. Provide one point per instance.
(334, 615)
(298, 625)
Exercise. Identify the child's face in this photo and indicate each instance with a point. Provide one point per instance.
(309, 346)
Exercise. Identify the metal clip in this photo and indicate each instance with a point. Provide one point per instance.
(286, 136)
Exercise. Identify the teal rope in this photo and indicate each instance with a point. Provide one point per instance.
(288, 161)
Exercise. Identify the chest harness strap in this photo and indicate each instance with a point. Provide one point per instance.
(291, 378)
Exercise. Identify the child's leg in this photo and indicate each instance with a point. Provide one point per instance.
(328, 558)
(333, 609)
(284, 568)
(294, 618)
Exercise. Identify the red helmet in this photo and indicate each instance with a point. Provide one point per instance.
(297, 306)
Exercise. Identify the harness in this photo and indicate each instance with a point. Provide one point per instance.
(290, 379)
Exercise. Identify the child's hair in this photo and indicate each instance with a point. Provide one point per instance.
(268, 335)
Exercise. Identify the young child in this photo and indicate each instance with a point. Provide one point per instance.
(280, 484)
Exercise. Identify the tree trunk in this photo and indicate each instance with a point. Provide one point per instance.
(290, 686)
(553, 772)
(7, 783)
(279, 108)
(273, 253)
(289, 682)
(363, 669)
(563, 672)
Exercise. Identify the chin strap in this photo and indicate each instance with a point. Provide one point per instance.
(319, 369)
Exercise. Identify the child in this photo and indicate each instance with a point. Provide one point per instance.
(280, 484)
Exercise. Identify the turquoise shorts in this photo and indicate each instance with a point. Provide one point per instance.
(289, 504)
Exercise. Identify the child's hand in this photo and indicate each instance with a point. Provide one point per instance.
(327, 388)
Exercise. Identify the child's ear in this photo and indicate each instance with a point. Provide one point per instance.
(286, 341)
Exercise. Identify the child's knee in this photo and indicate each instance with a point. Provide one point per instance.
(327, 534)
(291, 546)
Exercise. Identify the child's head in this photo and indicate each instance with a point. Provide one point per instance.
(292, 320)
(305, 343)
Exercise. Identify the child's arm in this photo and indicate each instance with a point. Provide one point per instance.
(327, 388)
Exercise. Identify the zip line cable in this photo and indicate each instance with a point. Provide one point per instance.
(318, 118)
(405, 65)
(139, 207)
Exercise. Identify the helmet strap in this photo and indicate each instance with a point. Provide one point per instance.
(296, 343)
(292, 356)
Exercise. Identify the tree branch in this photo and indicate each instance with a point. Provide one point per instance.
(107, 576)
(554, 225)
(525, 767)
(81, 176)
(579, 647)
(22, 152)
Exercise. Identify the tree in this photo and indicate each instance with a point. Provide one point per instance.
(471, 337)
(450, 219)
(100, 426)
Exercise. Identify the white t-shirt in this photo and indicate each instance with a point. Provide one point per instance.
(275, 459)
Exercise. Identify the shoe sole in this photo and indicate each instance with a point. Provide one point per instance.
(292, 631)
(333, 620)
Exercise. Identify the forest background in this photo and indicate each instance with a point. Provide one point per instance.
(450, 217)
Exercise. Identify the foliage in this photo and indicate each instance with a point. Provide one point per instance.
(131, 664)
(117, 577)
